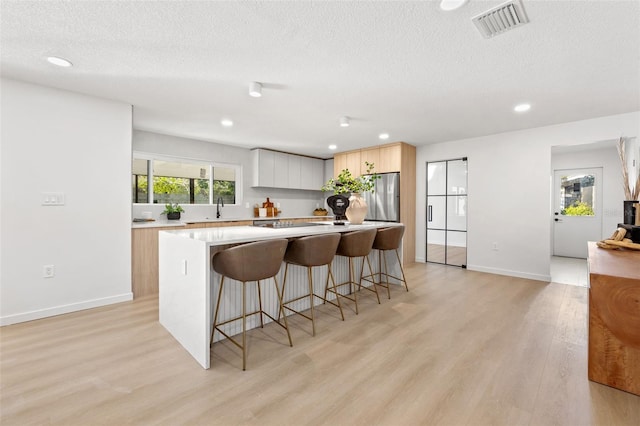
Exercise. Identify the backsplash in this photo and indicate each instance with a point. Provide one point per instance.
(292, 203)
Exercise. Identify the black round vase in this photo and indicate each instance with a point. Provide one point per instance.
(339, 204)
(173, 216)
(629, 213)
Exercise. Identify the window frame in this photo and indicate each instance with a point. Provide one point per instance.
(151, 157)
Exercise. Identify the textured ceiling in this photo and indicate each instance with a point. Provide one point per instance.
(406, 68)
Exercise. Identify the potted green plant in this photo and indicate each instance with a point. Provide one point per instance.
(354, 207)
(172, 211)
(346, 183)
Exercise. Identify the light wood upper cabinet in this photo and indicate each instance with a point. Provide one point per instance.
(390, 159)
(353, 162)
(371, 155)
(339, 164)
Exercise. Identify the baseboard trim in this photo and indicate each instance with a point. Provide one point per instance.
(64, 309)
(510, 273)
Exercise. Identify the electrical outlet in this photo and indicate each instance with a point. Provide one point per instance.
(494, 246)
(48, 271)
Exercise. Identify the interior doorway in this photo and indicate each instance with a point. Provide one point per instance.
(577, 215)
(447, 212)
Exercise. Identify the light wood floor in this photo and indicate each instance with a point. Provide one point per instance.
(461, 348)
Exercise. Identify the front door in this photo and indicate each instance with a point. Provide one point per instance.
(577, 214)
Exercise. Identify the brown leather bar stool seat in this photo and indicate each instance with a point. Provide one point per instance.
(246, 263)
(387, 239)
(317, 250)
(356, 244)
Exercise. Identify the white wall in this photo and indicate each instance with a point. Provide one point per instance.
(293, 202)
(58, 141)
(509, 191)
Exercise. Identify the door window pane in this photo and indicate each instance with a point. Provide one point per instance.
(456, 248)
(457, 213)
(437, 178)
(577, 195)
(436, 213)
(457, 177)
(436, 246)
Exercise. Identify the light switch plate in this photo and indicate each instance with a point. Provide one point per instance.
(53, 198)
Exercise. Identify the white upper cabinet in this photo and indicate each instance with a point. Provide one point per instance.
(263, 167)
(280, 170)
(295, 162)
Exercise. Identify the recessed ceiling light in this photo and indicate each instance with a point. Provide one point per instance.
(344, 121)
(522, 107)
(226, 122)
(61, 62)
(332, 147)
(448, 5)
(255, 89)
(384, 136)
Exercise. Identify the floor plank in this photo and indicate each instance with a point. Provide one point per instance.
(460, 348)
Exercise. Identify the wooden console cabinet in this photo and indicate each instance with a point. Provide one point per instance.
(614, 318)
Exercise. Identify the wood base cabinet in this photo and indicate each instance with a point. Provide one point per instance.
(614, 318)
(144, 254)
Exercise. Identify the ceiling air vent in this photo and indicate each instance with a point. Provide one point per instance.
(500, 19)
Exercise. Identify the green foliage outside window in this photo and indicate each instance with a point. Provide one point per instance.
(578, 208)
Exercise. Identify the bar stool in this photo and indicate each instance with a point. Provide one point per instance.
(353, 245)
(387, 239)
(245, 263)
(317, 250)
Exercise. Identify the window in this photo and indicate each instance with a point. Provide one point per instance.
(183, 181)
(577, 195)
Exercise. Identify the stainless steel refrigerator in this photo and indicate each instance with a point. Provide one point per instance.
(384, 202)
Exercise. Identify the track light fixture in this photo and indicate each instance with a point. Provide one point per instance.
(255, 89)
(344, 121)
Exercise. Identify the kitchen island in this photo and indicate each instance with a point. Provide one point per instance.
(187, 282)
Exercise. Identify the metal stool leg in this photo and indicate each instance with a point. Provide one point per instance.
(373, 286)
(335, 289)
(286, 325)
(244, 327)
(260, 304)
(404, 280)
(215, 315)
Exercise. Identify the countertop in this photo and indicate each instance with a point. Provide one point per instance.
(243, 234)
(181, 223)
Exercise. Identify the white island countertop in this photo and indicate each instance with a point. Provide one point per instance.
(162, 223)
(245, 234)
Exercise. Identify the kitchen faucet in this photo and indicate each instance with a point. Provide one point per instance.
(218, 205)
